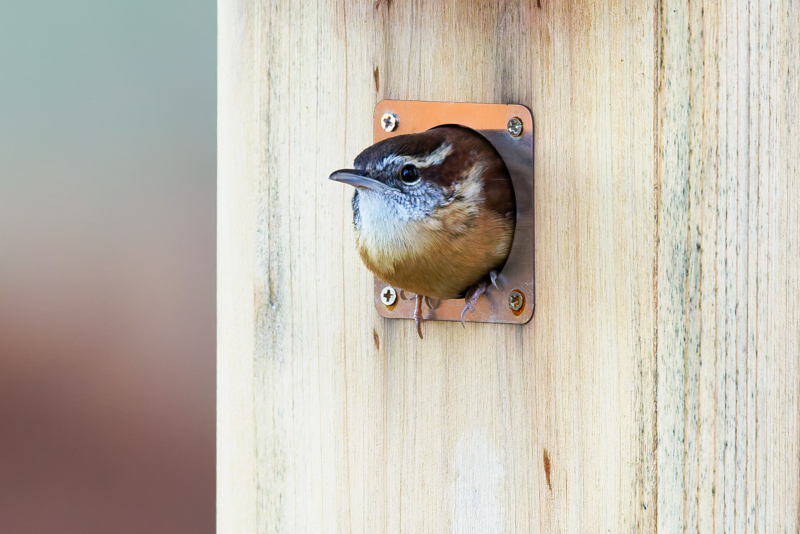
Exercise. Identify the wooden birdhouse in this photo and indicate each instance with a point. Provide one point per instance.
(657, 385)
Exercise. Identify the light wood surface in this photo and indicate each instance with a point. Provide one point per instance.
(657, 387)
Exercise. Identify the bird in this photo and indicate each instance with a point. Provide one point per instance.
(434, 214)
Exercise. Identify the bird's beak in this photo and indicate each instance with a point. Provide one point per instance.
(359, 179)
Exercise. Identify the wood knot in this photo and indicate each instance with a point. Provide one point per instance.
(546, 462)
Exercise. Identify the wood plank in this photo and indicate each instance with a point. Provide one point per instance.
(237, 139)
(727, 321)
(657, 386)
(592, 350)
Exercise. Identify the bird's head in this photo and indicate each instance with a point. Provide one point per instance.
(411, 177)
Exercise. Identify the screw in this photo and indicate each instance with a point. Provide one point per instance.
(388, 296)
(516, 300)
(389, 121)
(514, 127)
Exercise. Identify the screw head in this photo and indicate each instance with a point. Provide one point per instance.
(516, 300)
(388, 296)
(514, 126)
(389, 121)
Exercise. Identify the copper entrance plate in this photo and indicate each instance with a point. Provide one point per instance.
(516, 148)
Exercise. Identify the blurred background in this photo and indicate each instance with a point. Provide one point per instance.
(107, 266)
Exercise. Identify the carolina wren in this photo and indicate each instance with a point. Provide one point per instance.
(434, 213)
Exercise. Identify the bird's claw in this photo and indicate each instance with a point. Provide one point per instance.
(467, 309)
(493, 276)
(471, 298)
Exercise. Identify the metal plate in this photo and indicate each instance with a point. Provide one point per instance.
(490, 120)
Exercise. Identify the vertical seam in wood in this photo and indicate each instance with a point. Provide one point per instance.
(797, 384)
(658, 67)
(701, 265)
(751, 137)
(788, 248)
(687, 264)
(716, 292)
(755, 348)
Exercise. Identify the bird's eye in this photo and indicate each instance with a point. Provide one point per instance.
(409, 174)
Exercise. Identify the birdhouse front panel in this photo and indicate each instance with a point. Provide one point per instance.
(656, 386)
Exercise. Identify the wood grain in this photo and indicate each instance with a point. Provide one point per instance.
(657, 386)
(727, 321)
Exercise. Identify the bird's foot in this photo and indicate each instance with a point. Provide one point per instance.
(418, 314)
(476, 291)
(471, 298)
(419, 299)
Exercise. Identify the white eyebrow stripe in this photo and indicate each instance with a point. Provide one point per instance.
(434, 158)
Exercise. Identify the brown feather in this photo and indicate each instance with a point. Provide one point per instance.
(470, 148)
